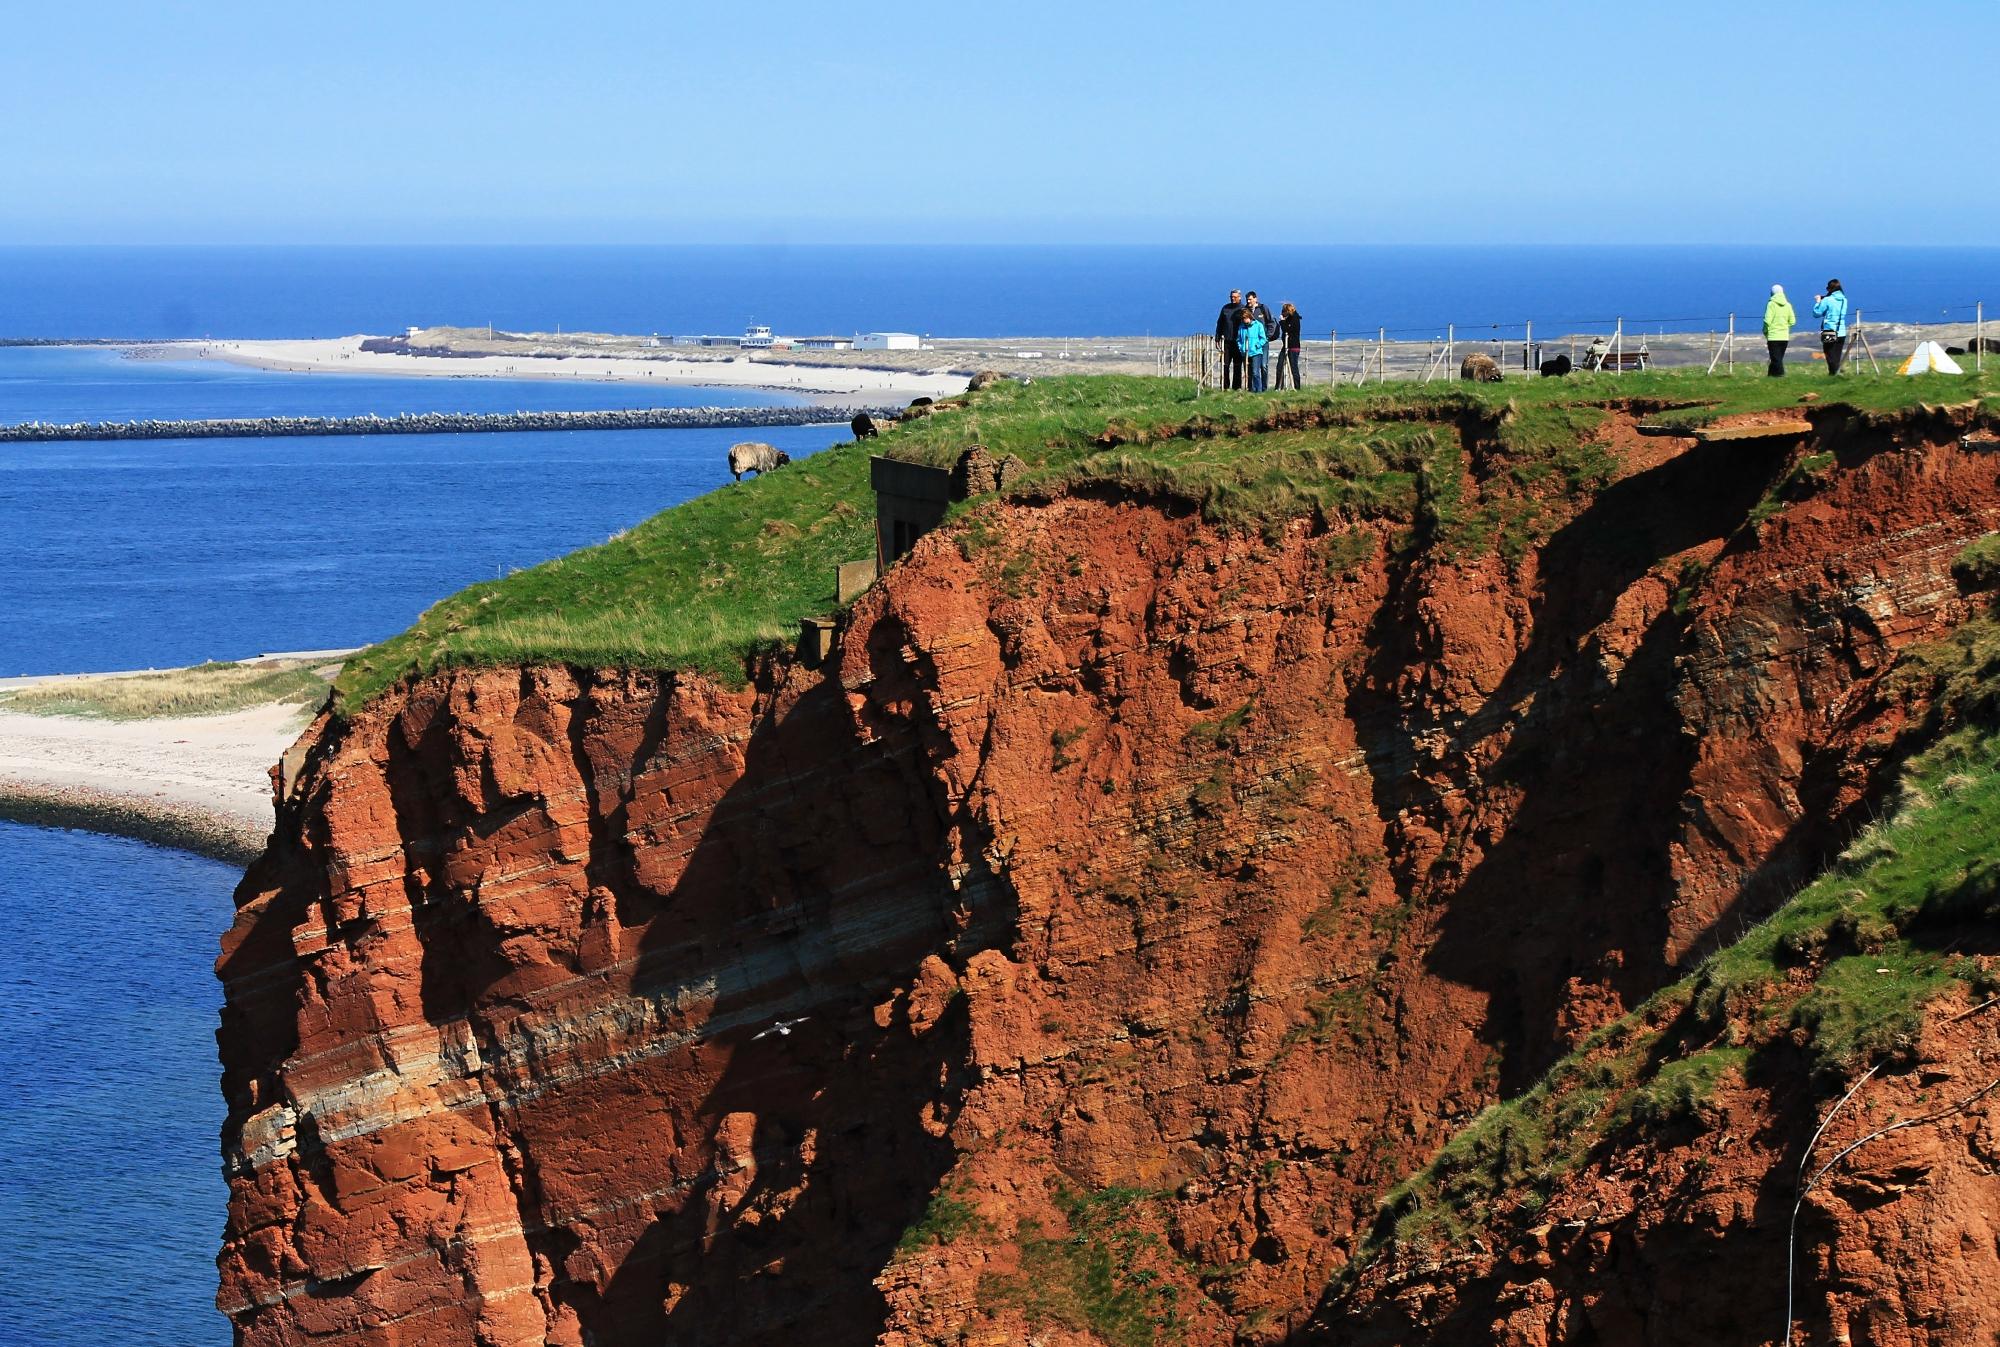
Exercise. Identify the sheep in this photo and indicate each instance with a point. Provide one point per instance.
(755, 456)
(1480, 368)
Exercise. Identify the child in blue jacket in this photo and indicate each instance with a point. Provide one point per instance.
(1253, 341)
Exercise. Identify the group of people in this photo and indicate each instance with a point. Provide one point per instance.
(1830, 307)
(1247, 332)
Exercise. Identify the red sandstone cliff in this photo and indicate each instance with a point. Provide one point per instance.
(1155, 896)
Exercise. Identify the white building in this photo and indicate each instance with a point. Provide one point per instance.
(823, 343)
(887, 341)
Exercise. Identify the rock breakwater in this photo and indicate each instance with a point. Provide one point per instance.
(438, 423)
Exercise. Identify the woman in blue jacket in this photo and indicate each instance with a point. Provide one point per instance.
(1831, 310)
(1253, 341)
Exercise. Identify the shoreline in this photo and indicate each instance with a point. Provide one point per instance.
(942, 367)
(198, 783)
(182, 827)
(813, 384)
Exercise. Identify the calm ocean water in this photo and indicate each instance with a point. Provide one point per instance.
(964, 291)
(160, 553)
(164, 553)
(111, 1193)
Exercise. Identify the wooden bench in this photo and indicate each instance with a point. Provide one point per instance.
(1619, 361)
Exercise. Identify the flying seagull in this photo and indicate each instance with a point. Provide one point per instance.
(780, 1028)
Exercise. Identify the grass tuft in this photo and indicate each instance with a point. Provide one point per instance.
(203, 690)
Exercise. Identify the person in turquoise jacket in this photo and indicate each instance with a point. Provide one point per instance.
(1831, 310)
(1253, 341)
(1778, 320)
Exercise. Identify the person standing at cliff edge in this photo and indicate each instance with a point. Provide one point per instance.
(1289, 326)
(1831, 310)
(1253, 342)
(1227, 324)
(1778, 320)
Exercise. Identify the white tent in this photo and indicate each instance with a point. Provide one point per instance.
(1929, 356)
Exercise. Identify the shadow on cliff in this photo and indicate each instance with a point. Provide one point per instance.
(1578, 876)
(817, 888)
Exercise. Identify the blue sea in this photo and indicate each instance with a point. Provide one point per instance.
(165, 553)
(111, 1192)
(155, 553)
(948, 291)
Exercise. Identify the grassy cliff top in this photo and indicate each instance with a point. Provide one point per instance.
(703, 585)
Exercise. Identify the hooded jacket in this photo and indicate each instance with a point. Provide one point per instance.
(1832, 313)
(1778, 319)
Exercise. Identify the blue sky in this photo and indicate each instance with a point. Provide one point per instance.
(886, 121)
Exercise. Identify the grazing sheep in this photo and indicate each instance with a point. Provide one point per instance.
(864, 427)
(755, 456)
(985, 378)
(1480, 368)
(1557, 368)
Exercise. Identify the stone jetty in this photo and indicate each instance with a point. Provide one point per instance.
(440, 423)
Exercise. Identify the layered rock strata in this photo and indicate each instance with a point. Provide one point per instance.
(1126, 887)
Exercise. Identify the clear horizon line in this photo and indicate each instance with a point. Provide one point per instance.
(1734, 245)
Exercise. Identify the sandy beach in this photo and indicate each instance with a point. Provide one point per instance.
(816, 382)
(199, 782)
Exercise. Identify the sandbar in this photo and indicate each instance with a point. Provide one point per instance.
(811, 382)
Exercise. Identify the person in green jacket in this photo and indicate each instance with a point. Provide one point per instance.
(1778, 320)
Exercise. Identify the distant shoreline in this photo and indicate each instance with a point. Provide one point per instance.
(813, 383)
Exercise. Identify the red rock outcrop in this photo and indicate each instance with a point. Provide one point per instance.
(1684, 1234)
(1151, 894)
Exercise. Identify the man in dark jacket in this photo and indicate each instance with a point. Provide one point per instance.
(1226, 324)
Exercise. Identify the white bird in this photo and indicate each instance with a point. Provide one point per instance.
(780, 1028)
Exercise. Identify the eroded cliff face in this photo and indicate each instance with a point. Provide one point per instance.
(1684, 1234)
(1154, 895)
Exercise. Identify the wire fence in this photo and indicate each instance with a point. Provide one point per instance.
(1716, 342)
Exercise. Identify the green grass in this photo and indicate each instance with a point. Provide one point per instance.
(203, 690)
(701, 586)
(1104, 1275)
(1978, 566)
(1836, 980)
(708, 584)
(947, 1217)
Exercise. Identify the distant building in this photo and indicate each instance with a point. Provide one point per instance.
(411, 331)
(823, 343)
(756, 336)
(887, 341)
